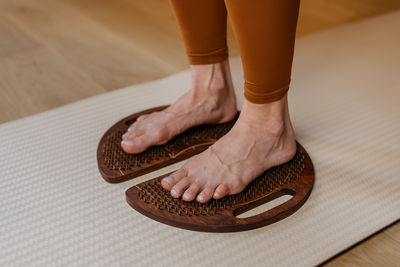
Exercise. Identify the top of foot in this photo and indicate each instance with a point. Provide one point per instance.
(211, 100)
(257, 142)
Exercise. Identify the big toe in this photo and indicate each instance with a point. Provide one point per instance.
(206, 194)
(221, 191)
(135, 145)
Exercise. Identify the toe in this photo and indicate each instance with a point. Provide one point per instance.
(134, 126)
(169, 181)
(191, 193)
(236, 186)
(125, 136)
(180, 187)
(131, 147)
(143, 139)
(138, 144)
(221, 191)
(135, 145)
(206, 194)
(142, 117)
(133, 132)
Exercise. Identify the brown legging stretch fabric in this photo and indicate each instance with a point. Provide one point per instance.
(265, 32)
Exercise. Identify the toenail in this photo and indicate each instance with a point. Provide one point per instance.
(186, 195)
(200, 198)
(173, 192)
(168, 180)
(127, 142)
(216, 194)
(124, 135)
(129, 129)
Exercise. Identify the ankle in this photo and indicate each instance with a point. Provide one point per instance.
(272, 116)
(273, 110)
(212, 78)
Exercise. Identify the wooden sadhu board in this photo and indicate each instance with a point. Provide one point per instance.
(116, 166)
(295, 178)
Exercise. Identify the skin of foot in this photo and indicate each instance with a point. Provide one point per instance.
(262, 137)
(211, 99)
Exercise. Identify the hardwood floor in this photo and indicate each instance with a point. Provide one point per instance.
(382, 249)
(56, 52)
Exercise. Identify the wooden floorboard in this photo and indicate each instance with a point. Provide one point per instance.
(56, 52)
(382, 249)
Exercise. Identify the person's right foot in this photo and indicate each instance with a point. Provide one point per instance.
(210, 100)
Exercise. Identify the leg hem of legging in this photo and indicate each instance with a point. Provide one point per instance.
(207, 58)
(257, 98)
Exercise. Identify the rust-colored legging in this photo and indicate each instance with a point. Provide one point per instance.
(265, 32)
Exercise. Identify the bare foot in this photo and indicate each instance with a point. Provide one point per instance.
(262, 137)
(210, 100)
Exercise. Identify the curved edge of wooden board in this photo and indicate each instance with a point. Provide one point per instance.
(117, 177)
(226, 220)
(110, 176)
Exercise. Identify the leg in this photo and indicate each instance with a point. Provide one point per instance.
(263, 136)
(203, 27)
(265, 31)
(211, 98)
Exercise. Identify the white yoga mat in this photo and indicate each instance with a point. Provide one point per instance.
(56, 210)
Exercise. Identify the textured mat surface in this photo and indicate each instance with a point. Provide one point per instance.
(57, 210)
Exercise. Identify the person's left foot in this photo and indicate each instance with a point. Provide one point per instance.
(262, 137)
